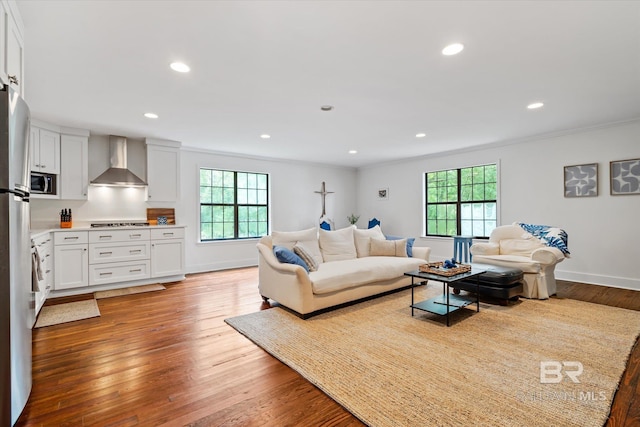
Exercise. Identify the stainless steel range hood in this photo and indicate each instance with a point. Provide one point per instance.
(118, 174)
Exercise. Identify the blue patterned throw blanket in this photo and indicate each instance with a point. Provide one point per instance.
(550, 236)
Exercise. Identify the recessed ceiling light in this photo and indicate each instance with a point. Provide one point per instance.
(265, 136)
(420, 135)
(353, 151)
(180, 67)
(453, 49)
(151, 115)
(535, 105)
(326, 107)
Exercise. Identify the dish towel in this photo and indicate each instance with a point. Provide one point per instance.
(36, 270)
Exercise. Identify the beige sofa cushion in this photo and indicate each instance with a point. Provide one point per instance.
(337, 275)
(362, 238)
(519, 247)
(396, 248)
(337, 245)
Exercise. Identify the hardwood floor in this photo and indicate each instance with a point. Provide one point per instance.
(167, 358)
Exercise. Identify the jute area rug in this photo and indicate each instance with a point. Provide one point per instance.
(390, 369)
(128, 291)
(68, 312)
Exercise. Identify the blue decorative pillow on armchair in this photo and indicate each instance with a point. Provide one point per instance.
(287, 256)
(410, 241)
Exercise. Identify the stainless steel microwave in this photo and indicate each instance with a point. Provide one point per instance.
(43, 183)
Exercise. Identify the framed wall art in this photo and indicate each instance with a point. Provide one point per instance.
(581, 180)
(625, 176)
(383, 194)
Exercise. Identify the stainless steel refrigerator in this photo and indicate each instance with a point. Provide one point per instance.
(17, 302)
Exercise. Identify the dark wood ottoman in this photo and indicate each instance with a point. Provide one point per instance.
(503, 283)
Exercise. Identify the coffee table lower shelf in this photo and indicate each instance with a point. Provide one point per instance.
(438, 305)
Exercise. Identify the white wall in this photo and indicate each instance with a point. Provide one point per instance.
(294, 203)
(604, 231)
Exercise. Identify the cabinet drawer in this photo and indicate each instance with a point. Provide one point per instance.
(70, 237)
(167, 233)
(118, 272)
(116, 252)
(118, 235)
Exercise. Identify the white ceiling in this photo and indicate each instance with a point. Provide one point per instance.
(267, 67)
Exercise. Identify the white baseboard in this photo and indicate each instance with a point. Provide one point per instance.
(590, 278)
(599, 279)
(226, 265)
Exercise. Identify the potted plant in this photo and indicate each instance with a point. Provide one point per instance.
(353, 219)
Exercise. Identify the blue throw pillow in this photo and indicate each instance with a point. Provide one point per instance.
(289, 257)
(410, 241)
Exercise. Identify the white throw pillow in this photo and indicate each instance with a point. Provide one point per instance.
(308, 237)
(337, 245)
(362, 237)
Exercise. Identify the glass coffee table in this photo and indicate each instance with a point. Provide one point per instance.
(446, 303)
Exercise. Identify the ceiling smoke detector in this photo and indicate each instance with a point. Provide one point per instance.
(326, 107)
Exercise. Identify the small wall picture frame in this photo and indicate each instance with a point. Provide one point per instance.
(625, 177)
(581, 180)
(383, 193)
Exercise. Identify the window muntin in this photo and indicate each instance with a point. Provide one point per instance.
(461, 201)
(233, 205)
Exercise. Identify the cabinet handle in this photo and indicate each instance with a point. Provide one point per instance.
(48, 287)
(135, 251)
(134, 235)
(37, 166)
(47, 255)
(71, 238)
(167, 234)
(105, 237)
(135, 271)
(106, 253)
(48, 271)
(106, 274)
(43, 166)
(13, 80)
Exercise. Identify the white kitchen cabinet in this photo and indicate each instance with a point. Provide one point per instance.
(71, 266)
(11, 46)
(71, 260)
(163, 170)
(118, 256)
(113, 272)
(74, 163)
(45, 151)
(167, 252)
(44, 244)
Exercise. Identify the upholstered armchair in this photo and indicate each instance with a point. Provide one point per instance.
(511, 246)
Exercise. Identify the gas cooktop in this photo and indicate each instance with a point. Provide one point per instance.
(119, 224)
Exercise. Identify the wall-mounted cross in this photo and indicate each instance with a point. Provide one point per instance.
(323, 192)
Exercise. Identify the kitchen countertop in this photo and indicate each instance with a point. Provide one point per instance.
(37, 232)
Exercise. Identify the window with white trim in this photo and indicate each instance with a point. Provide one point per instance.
(233, 205)
(461, 202)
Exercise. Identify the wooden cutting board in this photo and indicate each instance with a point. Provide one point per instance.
(154, 213)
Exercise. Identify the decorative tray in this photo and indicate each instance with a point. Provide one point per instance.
(437, 268)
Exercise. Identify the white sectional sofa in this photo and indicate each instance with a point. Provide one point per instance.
(351, 264)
